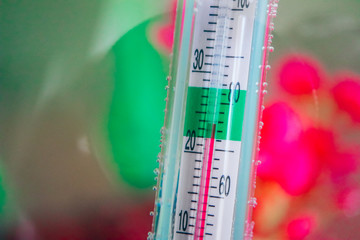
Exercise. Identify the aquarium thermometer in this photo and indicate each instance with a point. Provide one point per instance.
(210, 137)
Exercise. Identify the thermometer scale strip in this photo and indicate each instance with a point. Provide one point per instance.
(250, 22)
(211, 150)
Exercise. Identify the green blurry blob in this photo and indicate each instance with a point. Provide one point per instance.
(136, 113)
(3, 196)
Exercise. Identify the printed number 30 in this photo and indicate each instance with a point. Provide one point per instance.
(199, 59)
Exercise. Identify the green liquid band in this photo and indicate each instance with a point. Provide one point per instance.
(230, 115)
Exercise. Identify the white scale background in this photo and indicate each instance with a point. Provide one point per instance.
(238, 71)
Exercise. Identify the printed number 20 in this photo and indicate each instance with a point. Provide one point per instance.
(190, 144)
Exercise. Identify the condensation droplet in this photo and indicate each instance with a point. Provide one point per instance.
(253, 202)
(151, 213)
(150, 236)
(249, 230)
(271, 26)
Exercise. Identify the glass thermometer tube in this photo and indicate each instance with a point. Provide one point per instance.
(206, 177)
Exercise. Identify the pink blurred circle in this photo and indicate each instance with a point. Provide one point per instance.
(300, 74)
(347, 94)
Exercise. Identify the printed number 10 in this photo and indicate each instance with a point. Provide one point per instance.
(183, 221)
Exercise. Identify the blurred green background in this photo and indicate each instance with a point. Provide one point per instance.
(81, 106)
